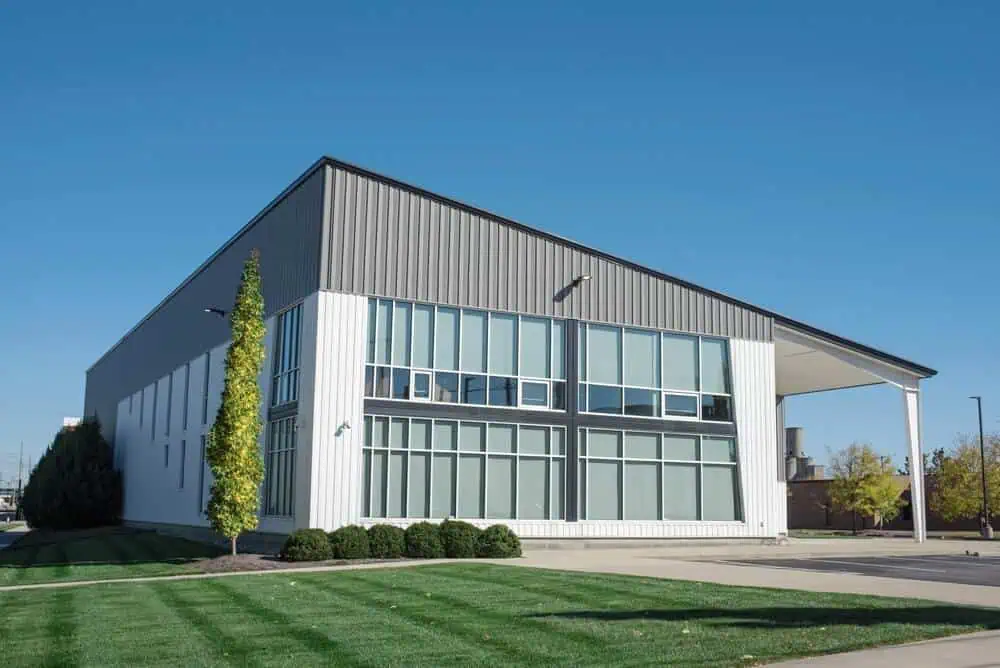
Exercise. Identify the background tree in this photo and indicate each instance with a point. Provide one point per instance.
(864, 484)
(231, 447)
(74, 485)
(956, 491)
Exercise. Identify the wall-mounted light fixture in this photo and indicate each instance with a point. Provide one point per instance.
(344, 426)
(579, 280)
(215, 311)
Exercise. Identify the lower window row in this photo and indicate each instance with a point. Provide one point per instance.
(422, 468)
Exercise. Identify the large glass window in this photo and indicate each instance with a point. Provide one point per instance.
(654, 374)
(287, 357)
(279, 468)
(422, 468)
(504, 359)
(653, 476)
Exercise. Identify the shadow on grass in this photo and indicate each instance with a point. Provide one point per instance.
(932, 615)
(104, 546)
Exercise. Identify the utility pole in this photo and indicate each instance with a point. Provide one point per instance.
(987, 528)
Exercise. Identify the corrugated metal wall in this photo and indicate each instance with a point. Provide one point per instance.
(333, 366)
(391, 241)
(178, 330)
(756, 429)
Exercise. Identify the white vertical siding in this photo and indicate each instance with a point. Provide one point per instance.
(152, 490)
(332, 395)
(756, 427)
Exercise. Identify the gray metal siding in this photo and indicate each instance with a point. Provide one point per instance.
(288, 237)
(388, 240)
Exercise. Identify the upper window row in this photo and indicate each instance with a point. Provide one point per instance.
(644, 358)
(422, 336)
(287, 356)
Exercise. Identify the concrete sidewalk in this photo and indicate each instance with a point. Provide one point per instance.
(976, 650)
(696, 564)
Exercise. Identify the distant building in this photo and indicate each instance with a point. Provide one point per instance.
(70, 422)
(797, 465)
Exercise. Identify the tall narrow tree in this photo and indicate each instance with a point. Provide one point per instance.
(231, 449)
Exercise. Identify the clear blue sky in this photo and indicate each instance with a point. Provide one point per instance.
(838, 164)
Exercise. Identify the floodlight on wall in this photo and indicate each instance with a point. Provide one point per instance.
(579, 280)
(215, 311)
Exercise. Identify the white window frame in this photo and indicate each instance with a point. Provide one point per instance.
(485, 455)
(585, 382)
(434, 370)
(584, 459)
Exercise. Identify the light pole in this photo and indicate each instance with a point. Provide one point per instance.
(987, 529)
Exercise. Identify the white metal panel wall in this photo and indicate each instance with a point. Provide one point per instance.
(756, 427)
(331, 410)
(152, 490)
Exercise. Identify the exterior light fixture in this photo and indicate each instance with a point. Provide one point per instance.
(215, 311)
(579, 280)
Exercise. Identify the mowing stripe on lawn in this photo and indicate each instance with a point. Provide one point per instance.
(517, 651)
(400, 628)
(226, 648)
(318, 643)
(527, 624)
(61, 630)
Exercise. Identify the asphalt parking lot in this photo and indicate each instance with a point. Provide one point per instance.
(954, 568)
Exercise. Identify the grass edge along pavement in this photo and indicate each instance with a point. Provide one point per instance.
(457, 614)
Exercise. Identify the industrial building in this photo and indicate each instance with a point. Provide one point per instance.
(428, 359)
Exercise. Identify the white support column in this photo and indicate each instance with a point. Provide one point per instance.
(911, 407)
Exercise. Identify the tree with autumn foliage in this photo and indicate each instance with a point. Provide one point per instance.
(957, 490)
(232, 448)
(864, 484)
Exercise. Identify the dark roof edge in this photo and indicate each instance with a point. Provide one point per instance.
(913, 367)
(204, 265)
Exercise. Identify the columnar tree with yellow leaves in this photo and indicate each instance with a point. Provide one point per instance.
(231, 446)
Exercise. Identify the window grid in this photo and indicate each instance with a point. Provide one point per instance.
(623, 458)
(381, 343)
(662, 392)
(287, 356)
(203, 465)
(279, 468)
(156, 400)
(555, 455)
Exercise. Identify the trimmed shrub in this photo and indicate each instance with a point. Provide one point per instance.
(386, 541)
(75, 484)
(350, 542)
(499, 542)
(459, 539)
(307, 545)
(423, 541)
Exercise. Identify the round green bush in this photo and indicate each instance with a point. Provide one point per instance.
(459, 539)
(350, 542)
(499, 542)
(387, 541)
(307, 545)
(423, 541)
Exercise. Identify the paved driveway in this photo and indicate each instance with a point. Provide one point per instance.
(953, 568)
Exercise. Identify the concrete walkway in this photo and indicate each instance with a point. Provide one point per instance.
(975, 650)
(697, 563)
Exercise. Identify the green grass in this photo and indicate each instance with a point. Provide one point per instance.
(461, 614)
(98, 554)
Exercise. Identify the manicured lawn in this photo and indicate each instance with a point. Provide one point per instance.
(461, 614)
(99, 554)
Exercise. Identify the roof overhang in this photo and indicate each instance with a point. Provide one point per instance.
(808, 360)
